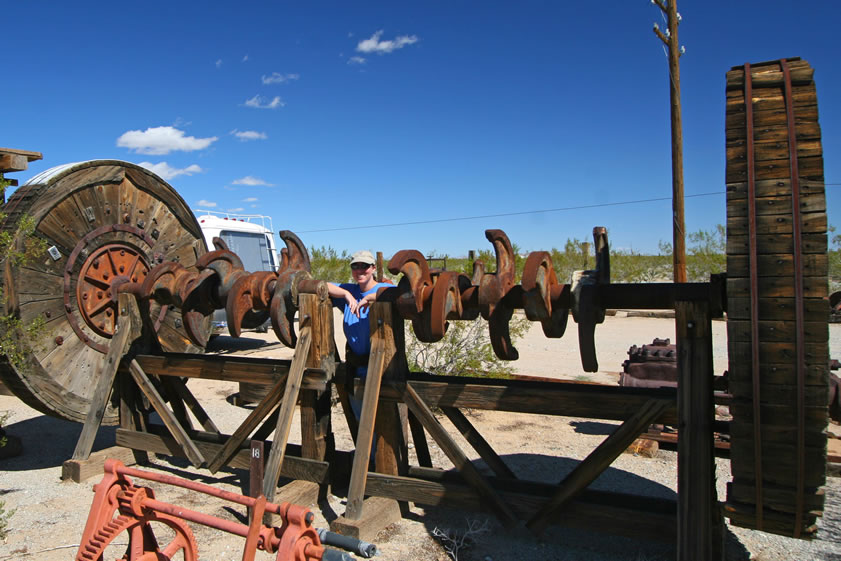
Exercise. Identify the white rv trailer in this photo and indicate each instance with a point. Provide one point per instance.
(250, 236)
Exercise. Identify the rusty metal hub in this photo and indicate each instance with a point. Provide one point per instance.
(96, 289)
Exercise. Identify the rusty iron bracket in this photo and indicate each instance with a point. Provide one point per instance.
(586, 307)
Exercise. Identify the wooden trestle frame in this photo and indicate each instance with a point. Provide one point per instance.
(396, 400)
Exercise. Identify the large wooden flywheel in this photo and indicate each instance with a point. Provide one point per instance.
(776, 298)
(104, 222)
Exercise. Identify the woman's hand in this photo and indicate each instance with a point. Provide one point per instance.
(352, 304)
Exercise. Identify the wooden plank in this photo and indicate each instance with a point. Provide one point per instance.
(78, 470)
(192, 452)
(378, 514)
(460, 461)
(294, 467)
(365, 436)
(772, 98)
(780, 287)
(419, 438)
(774, 188)
(778, 309)
(804, 131)
(778, 394)
(777, 352)
(552, 398)
(128, 329)
(234, 442)
(597, 461)
(618, 513)
(812, 223)
(814, 264)
(738, 207)
(190, 400)
(485, 451)
(698, 518)
(782, 373)
(782, 414)
(228, 369)
(776, 244)
(771, 150)
(772, 116)
(771, 75)
(777, 331)
(287, 408)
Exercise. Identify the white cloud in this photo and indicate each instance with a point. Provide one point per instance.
(356, 60)
(374, 45)
(250, 200)
(219, 63)
(167, 172)
(238, 209)
(260, 102)
(249, 135)
(278, 78)
(252, 181)
(158, 141)
(245, 58)
(206, 204)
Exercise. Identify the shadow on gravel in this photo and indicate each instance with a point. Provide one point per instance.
(48, 442)
(593, 427)
(224, 344)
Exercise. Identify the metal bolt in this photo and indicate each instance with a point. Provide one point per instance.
(105, 276)
(122, 268)
(59, 340)
(133, 279)
(96, 263)
(690, 324)
(122, 253)
(178, 323)
(99, 294)
(48, 313)
(109, 313)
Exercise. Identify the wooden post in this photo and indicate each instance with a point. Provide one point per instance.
(129, 326)
(316, 430)
(669, 7)
(380, 274)
(697, 502)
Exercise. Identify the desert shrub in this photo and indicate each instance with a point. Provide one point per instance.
(328, 264)
(465, 350)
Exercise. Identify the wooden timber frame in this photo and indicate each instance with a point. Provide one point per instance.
(396, 400)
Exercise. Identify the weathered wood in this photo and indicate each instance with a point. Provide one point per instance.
(294, 467)
(777, 331)
(12, 159)
(287, 408)
(770, 76)
(596, 462)
(777, 265)
(771, 150)
(316, 430)
(419, 439)
(774, 188)
(190, 400)
(618, 513)
(697, 500)
(460, 461)
(776, 244)
(78, 470)
(375, 514)
(812, 223)
(485, 451)
(777, 309)
(814, 395)
(561, 398)
(738, 207)
(777, 353)
(190, 450)
(128, 329)
(234, 442)
(367, 419)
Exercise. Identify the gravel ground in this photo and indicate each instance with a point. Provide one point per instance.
(49, 515)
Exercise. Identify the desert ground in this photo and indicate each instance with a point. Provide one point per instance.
(48, 515)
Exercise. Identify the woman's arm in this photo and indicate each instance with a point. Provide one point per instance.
(336, 291)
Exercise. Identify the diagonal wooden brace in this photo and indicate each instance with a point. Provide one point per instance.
(599, 459)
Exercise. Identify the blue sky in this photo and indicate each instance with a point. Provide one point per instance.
(350, 114)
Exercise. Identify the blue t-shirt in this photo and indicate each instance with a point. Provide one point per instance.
(357, 329)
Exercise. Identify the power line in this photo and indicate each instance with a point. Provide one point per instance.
(502, 214)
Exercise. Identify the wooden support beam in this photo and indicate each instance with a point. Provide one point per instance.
(190, 400)
(190, 450)
(419, 438)
(543, 398)
(597, 461)
(287, 409)
(365, 436)
(454, 453)
(294, 467)
(485, 451)
(699, 516)
(129, 327)
(250, 423)
(316, 423)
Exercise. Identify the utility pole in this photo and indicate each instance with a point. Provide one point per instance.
(669, 7)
